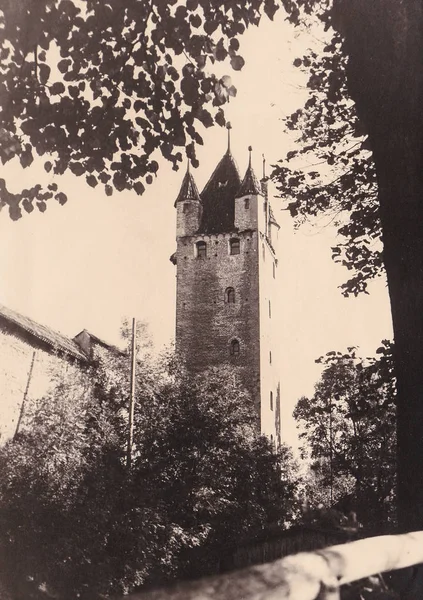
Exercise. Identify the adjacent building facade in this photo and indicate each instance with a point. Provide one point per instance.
(227, 266)
(32, 357)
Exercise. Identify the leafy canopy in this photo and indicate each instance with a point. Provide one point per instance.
(76, 520)
(331, 172)
(99, 87)
(349, 431)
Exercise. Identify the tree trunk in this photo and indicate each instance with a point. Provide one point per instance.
(384, 43)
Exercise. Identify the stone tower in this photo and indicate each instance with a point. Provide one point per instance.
(227, 282)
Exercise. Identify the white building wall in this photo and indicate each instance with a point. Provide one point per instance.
(15, 364)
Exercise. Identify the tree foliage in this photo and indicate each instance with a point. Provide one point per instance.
(349, 429)
(76, 521)
(331, 171)
(98, 87)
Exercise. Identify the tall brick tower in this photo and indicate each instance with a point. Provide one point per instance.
(227, 282)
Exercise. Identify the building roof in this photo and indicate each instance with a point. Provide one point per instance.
(56, 341)
(250, 184)
(189, 190)
(218, 197)
(86, 340)
(272, 219)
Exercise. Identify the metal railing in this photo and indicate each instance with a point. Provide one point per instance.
(303, 576)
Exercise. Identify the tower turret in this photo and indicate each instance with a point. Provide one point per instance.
(249, 202)
(188, 207)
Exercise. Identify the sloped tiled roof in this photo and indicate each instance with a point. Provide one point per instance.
(189, 190)
(250, 184)
(218, 197)
(56, 341)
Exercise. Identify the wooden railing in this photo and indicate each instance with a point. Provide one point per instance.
(303, 576)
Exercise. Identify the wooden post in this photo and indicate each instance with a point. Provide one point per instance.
(21, 412)
(131, 397)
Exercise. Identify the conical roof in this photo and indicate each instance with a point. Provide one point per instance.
(218, 197)
(189, 190)
(250, 184)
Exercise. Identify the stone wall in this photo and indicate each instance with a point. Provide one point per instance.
(206, 324)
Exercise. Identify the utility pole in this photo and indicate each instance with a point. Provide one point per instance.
(21, 412)
(131, 397)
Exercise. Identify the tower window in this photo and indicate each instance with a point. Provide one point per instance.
(230, 296)
(201, 249)
(234, 246)
(185, 207)
(271, 400)
(270, 357)
(247, 203)
(234, 348)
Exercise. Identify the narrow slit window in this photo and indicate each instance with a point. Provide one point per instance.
(230, 295)
(247, 203)
(271, 400)
(201, 249)
(234, 246)
(270, 357)
(234, 348)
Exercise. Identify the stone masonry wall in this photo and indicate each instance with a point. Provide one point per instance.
(205, 323)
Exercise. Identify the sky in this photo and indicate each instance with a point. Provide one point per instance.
(99, 259)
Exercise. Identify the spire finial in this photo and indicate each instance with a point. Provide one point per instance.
(264, 166)
(229, 127)
(250, 149)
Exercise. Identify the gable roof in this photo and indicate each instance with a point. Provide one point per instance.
(218, 197)
(54, 340)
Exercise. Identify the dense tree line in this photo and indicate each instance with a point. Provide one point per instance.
(348, 426)
(75, 521)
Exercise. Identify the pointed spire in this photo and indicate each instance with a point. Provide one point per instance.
(189, 190)
(229, 127)
(250, 184)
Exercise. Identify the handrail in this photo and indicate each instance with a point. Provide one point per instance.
(303, 576)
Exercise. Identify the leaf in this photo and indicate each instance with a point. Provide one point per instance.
(237, 62)
(108, 189)
(26, 158)
(27, 205)
(61, 198)
(92, 181)
(77, 168)
(43, 73)
(63, 65)
(139, 188)
(48, 166)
